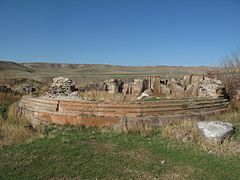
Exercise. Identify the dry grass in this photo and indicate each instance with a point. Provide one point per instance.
(186, 132)
(13, 130)
(43, 89)
(11, 134)
(230, 116)
(143, 128)
(179, 173)
(9, 98)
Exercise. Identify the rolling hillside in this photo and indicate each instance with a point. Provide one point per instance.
(12, 66)
(96, 72)
(113, 69)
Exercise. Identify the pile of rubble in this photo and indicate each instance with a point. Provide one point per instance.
(189, 86)
(62, 87)
(185, 87)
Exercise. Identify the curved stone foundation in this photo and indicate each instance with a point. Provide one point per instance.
(91, 113)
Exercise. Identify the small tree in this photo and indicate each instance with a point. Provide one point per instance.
(84, 70)
(229, 72)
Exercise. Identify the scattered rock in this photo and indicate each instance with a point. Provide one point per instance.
(163, 162)
(146, 94)
(215, 131)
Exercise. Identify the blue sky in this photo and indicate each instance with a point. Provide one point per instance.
(122, 32)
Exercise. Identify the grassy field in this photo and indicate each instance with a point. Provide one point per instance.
(89, 153)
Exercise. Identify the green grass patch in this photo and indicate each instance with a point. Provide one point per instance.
(152, 99)
(88, 153)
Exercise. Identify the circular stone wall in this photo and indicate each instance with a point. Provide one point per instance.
(91, 113)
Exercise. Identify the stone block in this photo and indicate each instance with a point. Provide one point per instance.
(156, 86)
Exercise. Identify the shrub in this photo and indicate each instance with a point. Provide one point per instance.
(229, 72)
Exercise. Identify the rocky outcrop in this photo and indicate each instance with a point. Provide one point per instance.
(215, 131)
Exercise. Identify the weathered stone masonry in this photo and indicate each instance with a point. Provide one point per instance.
(90, 113)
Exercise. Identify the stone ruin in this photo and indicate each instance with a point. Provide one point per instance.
(130, 113)
(62, 87)
(189, 86)
(113, 86)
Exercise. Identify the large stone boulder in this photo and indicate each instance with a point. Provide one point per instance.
(215, 131)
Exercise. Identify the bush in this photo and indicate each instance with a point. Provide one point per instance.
(229, 73)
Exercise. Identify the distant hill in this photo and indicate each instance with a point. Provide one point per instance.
(12, 66)
(92, 71)
(115, 69)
